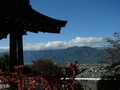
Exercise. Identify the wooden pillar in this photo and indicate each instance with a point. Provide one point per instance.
(20, 49)
(16, 49)
(13, 52)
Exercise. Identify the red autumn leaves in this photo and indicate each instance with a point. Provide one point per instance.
(46, 81)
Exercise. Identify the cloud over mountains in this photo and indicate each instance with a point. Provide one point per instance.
(78, 41)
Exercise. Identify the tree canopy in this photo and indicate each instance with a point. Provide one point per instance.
(112, 46)
(42, 65)
(4, 62)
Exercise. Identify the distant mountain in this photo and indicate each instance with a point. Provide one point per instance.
(82, 54)
(61, 56)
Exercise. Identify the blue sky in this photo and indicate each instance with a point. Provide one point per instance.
(89, 21)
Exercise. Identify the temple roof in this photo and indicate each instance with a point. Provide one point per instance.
(27, 19)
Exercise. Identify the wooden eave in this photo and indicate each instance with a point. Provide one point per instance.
(31, 20)
(13, 16)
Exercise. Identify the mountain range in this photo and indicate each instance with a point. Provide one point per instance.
(62, 56)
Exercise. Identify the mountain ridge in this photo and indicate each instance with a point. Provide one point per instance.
(61, 56)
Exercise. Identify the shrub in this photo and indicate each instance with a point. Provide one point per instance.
(46, 81)
(42, 65)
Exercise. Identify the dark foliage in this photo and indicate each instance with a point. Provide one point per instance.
(47, 80)
(42, 65)
(109, 83)
(27, 70)
(4, 62)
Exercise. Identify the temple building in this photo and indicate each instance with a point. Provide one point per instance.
(17, 17)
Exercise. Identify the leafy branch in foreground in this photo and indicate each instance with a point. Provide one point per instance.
(112, 53)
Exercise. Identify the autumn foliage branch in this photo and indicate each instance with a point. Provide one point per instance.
(60, 79)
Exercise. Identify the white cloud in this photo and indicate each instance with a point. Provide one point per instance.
(78, 41)
(3, 49)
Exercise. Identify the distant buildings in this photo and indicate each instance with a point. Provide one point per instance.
(93, 71)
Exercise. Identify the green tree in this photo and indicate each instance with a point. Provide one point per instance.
(5, 62)
(43, 65)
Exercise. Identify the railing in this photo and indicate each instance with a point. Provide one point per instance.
(86, 87)
(89, 79)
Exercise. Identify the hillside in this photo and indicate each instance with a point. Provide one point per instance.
(82, 54)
